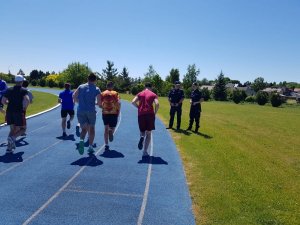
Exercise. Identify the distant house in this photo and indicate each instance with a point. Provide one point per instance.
(209, 87)
(297, 90)
(248, 90)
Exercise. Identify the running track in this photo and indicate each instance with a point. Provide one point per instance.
(46, 181)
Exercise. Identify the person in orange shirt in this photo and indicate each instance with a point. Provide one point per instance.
(110, 104)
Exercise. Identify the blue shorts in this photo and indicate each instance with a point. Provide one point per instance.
(85, 117)
(110, 119)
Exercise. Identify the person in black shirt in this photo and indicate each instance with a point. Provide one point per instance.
(175, 97)
(17, 101)
(195, 110)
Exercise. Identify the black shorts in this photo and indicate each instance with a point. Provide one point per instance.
(15, 118)
(110, 119)
(64, 113)
(146, 122)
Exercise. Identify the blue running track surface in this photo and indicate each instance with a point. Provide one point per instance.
(46, 181)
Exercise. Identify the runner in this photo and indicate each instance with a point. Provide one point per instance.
(3, 88)
(110, 104)
(146, 116)
(30, 95)
(15, 116)
(86, 95)
(67, 107)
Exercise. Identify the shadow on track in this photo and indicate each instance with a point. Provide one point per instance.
(91, 160)
(12, 157)
(112, 154)
(68, 138)
(152, 160)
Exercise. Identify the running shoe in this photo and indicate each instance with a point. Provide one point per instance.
(81, 147)
(106, 148)
(9, 151)
(64, 134)
(68, 124)
(11, 143)
(110, 135)
(141, 142)
(91, 150)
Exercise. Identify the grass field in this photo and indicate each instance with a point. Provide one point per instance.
(244, 166)
(41, 102)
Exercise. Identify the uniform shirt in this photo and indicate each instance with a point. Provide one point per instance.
(15, 96)
(87, 94)
(67, 102)
(175, 95)
(196, 95)
(110, 102)
(3, 87)
(146, 99)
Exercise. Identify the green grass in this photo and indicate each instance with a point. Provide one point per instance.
(41, 102)
(244, 167)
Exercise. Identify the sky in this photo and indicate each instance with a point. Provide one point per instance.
(243, 39)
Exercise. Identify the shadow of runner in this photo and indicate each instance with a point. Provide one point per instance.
(91, 160)
(204, 135)
(68, 138)
(21, 142)
(12, 157)
(152, 160)
(112, 154)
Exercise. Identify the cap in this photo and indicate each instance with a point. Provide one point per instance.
(177, 82)
(19, 78)
(67, 85)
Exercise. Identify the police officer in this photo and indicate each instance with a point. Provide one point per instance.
(175, 97)
(195, 110)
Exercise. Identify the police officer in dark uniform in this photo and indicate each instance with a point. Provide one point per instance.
(195, 110)
(176, 97)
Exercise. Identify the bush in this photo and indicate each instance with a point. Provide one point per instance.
(188, 92)
(42, 82)
(61, 84)
(33, 82)
(51, 83)
(276, 100)
(137, 88)
(205, 94)
(237, 96)
(250, 99)
(262, 97)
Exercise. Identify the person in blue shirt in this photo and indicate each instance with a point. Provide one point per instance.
(195, 110)
(67, 108)
(175, 97)
(3, 88)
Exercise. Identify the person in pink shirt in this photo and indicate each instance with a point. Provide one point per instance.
(146, 116)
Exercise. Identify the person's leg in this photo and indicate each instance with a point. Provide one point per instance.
(179, 111)
(63, 115)
(191, 119)
(172, 115)
(147, 142)
(71, 114)
(91, 130)
(142, 127)
(91, 134)
(197, 119)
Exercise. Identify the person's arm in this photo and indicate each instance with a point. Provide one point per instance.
(99, 101)
(75, 95)
(4, 100)
(135, 101)
(26, 102)
(156, 105)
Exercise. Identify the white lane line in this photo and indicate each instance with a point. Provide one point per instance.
(31, 157)
(104, 193)
(145, 197)
(50, 200)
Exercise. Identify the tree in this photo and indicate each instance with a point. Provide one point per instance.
(262, 97)
(173, 76)
(258, 84)
(110, 73)
(190, 76)
(150, 74)
(125, 80)
(276, 99)
(157, 83)
(76, 74)
(219, 90)
(34, 75)
(237, 96)
(205, 94)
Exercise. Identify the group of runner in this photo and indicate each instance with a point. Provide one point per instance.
(88, 96)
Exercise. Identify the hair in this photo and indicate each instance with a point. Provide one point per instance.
(25, 84)
(92, 77)
(110, 84)
(67, 85)
(148, 85)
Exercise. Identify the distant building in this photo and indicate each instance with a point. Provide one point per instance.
(209, 87)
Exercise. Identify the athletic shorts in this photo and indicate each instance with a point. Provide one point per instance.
(110, 119)
(146, 122)
(65, 112)
(15, 118)
(86, 118)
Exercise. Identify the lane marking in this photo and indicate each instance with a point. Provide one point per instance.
(30, 157)
(50, 200)
(146, 193)
(104, 193)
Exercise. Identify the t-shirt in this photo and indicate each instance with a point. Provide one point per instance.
(15, 96)
(87, 97)
(146, 99)
(3, 87)
(66, 100)
(110, 102)
(175, 95)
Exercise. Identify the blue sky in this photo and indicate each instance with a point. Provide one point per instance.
(245, 39)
